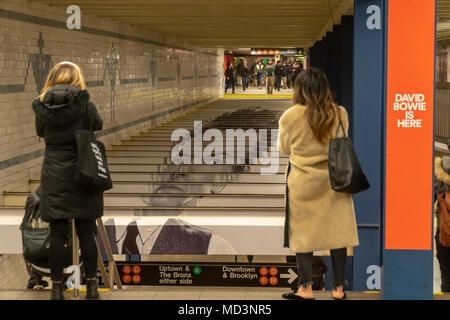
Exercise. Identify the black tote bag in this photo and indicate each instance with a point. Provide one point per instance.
(92, 172)
(346, 174)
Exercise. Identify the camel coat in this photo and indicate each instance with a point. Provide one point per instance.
(317, 217)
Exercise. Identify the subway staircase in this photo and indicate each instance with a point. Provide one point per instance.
(234, 201)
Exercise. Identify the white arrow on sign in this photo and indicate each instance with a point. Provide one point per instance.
(291, 275)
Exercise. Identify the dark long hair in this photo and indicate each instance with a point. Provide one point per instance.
(312, 90)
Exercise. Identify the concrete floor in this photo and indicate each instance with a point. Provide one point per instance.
(185, 293)
(180, 293)
(13, 280)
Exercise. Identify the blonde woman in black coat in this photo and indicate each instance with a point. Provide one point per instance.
(59, 113)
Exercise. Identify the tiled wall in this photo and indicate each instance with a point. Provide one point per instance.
(135, 77)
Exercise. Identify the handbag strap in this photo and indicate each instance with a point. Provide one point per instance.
(86, 121)
(26, 223)
(340, 126)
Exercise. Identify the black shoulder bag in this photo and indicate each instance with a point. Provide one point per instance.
(92, 172)
(346, 174)
(36, 235)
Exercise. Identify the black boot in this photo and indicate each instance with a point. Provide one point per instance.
(57, 290)
(92, 289)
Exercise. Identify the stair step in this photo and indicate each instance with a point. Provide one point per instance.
(267, 123)
(165, 136)
(173, 200)
(192, 178)
(221, 112)
(244, 125)
(169, 130)
(188, 168)
(133, 211)
(179, 187)
(131, 153)
(117, 147)
(203, 114)
(168, 138)
(148, 143)
(223, 119)
(153, 160)
(153, 154)
(145, 142)
(165, 147)
(200, 177)
(205, 177)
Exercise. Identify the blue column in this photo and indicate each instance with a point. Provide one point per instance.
(368, 137)
(407, 274)
(346, 66)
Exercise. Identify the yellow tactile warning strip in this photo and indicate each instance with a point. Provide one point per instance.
(377, 292)
(258, 96)
(84, 290)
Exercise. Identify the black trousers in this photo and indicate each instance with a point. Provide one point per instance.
(289, 81)
(277, 82)
(59, 229)
(229, 83)
(443, 255)
(304, 266)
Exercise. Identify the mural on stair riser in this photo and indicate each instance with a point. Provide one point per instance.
(177, 187)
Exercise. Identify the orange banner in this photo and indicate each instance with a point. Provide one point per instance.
(409, 124)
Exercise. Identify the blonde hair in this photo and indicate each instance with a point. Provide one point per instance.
(64, 72)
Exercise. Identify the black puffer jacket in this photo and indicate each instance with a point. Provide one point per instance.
(279, 70)
(229, 73)
(57, 119)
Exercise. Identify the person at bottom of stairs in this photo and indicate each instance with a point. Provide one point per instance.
(62, 108)
(328, 222)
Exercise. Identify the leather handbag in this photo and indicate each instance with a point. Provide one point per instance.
(36, 235)
(346, 174)
(92, 172)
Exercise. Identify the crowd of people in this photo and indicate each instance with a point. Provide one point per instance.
(272, 75)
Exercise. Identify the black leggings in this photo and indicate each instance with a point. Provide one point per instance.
(304, 266)
(59, 230)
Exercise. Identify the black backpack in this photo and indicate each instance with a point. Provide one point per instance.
(36, 234)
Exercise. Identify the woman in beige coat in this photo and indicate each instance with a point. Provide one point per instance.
(317, 217)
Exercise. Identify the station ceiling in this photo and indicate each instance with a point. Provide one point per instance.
(443, 25)
(234, 23)
(224, 23)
